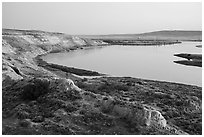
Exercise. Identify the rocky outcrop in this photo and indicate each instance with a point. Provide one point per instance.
(61, 98)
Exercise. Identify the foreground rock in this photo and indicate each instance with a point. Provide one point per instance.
(39, 99)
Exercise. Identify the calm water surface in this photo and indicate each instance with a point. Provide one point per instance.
(150, 62)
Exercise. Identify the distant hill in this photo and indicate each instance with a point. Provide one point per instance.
(164, 35)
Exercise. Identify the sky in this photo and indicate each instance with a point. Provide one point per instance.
(102, 18)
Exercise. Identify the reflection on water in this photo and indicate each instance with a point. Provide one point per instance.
(136, 61)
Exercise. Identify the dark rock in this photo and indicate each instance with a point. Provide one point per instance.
(25, 123)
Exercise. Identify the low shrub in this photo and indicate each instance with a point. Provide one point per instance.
(110, 87)
(35, 89)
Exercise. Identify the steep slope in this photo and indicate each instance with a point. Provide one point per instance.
(47, 100)
(19, 48)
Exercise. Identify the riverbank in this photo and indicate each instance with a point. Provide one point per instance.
(49, 99)
(76, 71)
(140, 42)
(192, 59)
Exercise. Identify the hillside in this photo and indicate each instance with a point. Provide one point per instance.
(39, 98)
(156, 35)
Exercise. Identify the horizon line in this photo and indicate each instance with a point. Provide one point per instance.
(97, 34)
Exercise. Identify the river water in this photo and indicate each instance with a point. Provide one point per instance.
(147, 62)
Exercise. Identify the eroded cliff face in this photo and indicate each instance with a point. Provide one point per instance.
(36, 100)
(19, 48)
